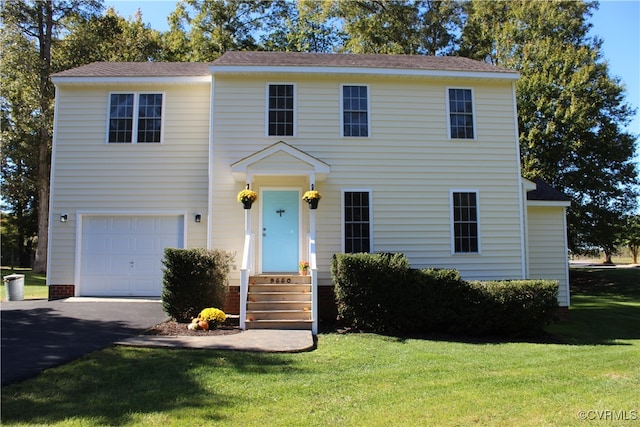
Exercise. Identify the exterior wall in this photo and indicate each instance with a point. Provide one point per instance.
(91, 176)
(408, 163)
(547, 247)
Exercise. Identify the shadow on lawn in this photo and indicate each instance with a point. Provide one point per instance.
(124, 385)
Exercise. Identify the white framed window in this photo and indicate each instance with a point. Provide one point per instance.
(281, 109)
(357, 221)
(354, 118)
(465, 222)
(135, 118)
(460, 113)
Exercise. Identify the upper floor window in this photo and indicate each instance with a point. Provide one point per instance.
(281, 110)
(466, 237)
(461, 114)
(355, 111)
(135, 118)
(357, 221)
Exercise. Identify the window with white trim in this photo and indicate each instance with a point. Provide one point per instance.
(135, 118)
(464, 216)
(357, 221)
(355, 110)
(281, 110)
(460, 113)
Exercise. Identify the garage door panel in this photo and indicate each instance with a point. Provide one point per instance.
(122, 256)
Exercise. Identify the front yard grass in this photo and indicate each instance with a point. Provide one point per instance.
(592, 372)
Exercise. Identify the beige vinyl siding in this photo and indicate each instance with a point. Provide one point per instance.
(90, 175)
(408, 163)
(547, 247)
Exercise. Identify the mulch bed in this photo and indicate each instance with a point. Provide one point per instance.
(175, 329)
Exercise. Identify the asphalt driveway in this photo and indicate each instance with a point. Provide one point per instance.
(40, 334)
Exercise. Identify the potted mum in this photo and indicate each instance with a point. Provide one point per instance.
(312, 197)
(247, 197)
(303, 267)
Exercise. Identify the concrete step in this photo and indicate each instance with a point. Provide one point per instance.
(274, 279)
(278, 296)
(262, 305)
(302, 288)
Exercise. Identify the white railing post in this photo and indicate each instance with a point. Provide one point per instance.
(246, 268)
(313, 266)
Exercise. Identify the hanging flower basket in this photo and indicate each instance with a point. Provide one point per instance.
(312, 197)
(247, 197)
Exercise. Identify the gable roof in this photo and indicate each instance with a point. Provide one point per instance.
(310, 59)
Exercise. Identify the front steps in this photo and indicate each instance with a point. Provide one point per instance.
(279, 302)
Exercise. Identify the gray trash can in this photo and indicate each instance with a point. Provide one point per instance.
(14, 285)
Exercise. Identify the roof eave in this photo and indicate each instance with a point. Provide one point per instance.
(257, 69)
(93, 80)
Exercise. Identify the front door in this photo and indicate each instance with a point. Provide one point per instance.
(280, 231)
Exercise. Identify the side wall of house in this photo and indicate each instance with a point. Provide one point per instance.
(547, 247)
(92, 176)
(408, 163)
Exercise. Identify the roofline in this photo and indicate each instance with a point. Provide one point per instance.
(255, 69)
(138, 80)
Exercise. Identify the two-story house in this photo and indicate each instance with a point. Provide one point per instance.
(411, 154)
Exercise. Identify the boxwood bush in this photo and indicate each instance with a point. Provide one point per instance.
(194, 279)
(380, 292)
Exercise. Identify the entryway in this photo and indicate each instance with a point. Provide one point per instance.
(280, 231)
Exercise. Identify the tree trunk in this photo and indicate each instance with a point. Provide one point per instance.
(45, 36)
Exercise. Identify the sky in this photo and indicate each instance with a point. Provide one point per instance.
(616, 22)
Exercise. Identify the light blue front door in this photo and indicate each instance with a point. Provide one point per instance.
(280, 231)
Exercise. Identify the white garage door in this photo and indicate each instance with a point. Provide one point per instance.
(122, 255)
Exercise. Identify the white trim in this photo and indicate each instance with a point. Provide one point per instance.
(566, 251)
(295, 109)
(547, 203)
(451, 218)
(522, 197)
(79, 227)
(211, 162)
(341, 97)
(136, 117)
(473, 113)
(139, 81)
(54, 145)
(265, 69)
(342, 218)
(301, 236)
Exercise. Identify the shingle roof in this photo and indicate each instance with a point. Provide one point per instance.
(291, 59)
(546, 192)
(415, 62)
(138, 69)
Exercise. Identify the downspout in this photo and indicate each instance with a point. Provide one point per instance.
(210, 186)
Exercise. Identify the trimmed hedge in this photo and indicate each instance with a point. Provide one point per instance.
(380, 292)
(194, 279)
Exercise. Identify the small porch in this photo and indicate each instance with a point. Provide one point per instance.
(279, 232)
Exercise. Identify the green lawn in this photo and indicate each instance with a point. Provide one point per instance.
(591, 371)
(35, 286)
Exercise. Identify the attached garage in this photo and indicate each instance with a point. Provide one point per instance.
(121, 255)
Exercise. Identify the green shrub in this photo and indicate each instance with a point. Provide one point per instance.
(366, 288)
(194, 279)
(515, 307)
(380, 292)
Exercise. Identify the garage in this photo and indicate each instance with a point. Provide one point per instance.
(122, 255)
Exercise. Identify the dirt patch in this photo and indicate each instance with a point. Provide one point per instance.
(175, 329)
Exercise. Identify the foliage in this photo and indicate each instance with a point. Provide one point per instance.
(571, 113)
(631, 236)
(212, 315)
(303, 265)
(381, 293)
(194, 279)
(311, 195)
(247, 196)
(30, 33)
